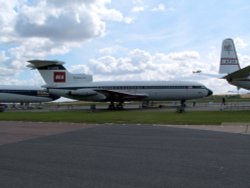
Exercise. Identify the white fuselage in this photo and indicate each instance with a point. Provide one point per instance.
(24, 94)
(153, 90)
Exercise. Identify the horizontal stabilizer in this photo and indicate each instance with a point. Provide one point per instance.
(210, 75)
(43, 63)
(242, 73)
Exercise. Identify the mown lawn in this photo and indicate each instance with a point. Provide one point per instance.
(143, 117)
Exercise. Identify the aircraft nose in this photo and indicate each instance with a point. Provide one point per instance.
(209, 92)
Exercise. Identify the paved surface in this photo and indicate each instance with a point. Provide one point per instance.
(242, 128)
(128, 156)
(11, 131)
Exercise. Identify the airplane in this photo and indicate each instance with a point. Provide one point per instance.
(25, 94)
(229, 64)
(82, 87)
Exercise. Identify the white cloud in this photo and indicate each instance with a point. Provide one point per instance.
(63, 21)
(7, 20)
(68, 25)
(107, 51)
(138, 64)
(138, 9)
(50, 27)
(240, 43)
(136, 2)
(5, 72)
(180, 56)
(160, 7)
(129, 20)
(3, 56)
(80, 69)
(37, 47)
(109, 65)
(63, 3)
(112, 50)
(244, 60)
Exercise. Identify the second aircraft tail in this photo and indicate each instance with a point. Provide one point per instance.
(229, 61)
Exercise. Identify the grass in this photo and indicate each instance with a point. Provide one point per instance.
(130, 117)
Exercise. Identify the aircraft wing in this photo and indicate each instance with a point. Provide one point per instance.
(122, 96)
(242, 73)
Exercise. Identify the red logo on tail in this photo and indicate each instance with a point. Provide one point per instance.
(59, 77)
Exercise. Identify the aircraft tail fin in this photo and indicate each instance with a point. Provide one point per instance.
(55, 74)
(229, 61)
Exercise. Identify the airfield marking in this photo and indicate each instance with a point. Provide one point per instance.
(242, 128)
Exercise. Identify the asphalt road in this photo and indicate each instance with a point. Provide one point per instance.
(119, 156)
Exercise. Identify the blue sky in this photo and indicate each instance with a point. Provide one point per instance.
(122, 40)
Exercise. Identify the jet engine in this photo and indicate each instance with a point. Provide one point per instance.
(77, 92)
(82, 92)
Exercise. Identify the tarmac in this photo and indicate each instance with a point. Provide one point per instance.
(79, 155)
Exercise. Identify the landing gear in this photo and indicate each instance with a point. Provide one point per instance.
(149, 104)
(118, 106)
(145, 104)
(181, 108)
(2, 107)
(111, 105)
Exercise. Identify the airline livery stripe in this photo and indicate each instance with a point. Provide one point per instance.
(52, 67)
(132, 87)
(229, 61)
